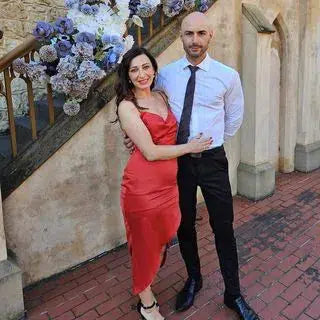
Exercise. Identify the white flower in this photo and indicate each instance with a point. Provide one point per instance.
(71, 107)
(128, 43)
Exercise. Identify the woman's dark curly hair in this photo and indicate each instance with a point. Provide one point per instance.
(124, 86)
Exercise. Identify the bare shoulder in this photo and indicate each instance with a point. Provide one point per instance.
(127, 108)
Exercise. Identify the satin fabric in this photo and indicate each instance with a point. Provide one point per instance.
(149, 201)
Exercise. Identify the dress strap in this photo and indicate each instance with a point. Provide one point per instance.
(164, 97)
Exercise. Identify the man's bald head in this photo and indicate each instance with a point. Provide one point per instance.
(196, 19)
(196, 34)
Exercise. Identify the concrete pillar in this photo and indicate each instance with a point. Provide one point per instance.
(307, 151)
(256, 175)
(11, 295)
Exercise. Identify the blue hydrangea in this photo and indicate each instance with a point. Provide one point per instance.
(64, 25)
(173, 7)
(95, 9)
(111, 39)
(86, 37)
(110, 60)
(43, 31)
(119, 48)
(70, 3)
(86, 9)
(63, 48)
(82, 51)
(204, 5)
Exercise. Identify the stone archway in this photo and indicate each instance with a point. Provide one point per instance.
(288, 96)
(269, 77)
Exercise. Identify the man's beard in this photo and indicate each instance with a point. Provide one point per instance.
(196, 54)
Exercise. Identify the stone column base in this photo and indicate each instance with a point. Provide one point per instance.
(11, 301)
(307, 157)
(256, 182)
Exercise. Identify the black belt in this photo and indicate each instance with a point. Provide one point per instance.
(205, 153)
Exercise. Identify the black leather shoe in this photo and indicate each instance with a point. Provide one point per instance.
(186, 296)
(240, 306)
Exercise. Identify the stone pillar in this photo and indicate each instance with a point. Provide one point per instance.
(307, 151)
(256, 175)
(11, 295)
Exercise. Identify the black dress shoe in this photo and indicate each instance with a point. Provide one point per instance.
(186, 296)
(240, 306)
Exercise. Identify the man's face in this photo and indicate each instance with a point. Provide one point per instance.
(195, 37)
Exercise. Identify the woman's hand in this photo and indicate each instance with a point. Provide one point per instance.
(199, 144)
(128, 142)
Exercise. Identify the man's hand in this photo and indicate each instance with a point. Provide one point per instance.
(128, 143)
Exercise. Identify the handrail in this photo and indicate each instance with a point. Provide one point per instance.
(24, 48)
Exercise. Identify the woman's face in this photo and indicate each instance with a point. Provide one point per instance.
(141, 72)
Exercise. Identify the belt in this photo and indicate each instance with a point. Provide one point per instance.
(204, 153)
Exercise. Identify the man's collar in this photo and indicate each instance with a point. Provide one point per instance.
(204, 65)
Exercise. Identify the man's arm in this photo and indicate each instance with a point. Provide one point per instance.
(234, 107)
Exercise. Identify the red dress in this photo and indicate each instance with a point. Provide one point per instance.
(149, 201)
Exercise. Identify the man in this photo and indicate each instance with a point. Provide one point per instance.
(206, 97)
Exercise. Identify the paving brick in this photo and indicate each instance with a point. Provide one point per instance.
(312, 291)
(278, 243)
(287, 263)
(66, 306)
(66, 316)
(91, 315)
(80, 289)
(90, 304)
(296, 308)
(274, 309)
(292, 292)
(291, 276)
(271, 293)
(113, 303)
(112, 315)
(314, 309)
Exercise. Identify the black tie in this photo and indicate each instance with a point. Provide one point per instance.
(184, 126)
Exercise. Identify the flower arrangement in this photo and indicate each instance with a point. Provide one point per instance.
(79, 49)
(87, 44)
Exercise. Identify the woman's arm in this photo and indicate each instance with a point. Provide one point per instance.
(136, 130)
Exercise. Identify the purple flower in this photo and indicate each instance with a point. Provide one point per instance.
(86, 9)
(110, 60)
(106, 38)
(119, 48)
(43, 31)
(63, 48)
(64, 25)
(111, 39)
(95, 9)
(204, 5)
(86, 37)
(70, 3)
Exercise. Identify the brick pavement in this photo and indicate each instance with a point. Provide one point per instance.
(279, 253)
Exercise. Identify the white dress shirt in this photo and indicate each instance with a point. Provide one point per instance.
(217, 109)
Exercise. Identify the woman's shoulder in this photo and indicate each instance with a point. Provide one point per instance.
(126, 106)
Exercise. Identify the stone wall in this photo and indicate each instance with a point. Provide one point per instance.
(18, 18)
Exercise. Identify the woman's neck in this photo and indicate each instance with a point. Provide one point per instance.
(142, 93)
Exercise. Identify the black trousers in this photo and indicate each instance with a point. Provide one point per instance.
(210, 172)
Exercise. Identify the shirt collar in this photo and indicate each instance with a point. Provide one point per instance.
(204, 65)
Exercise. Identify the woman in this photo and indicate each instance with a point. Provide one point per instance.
(149, 193)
